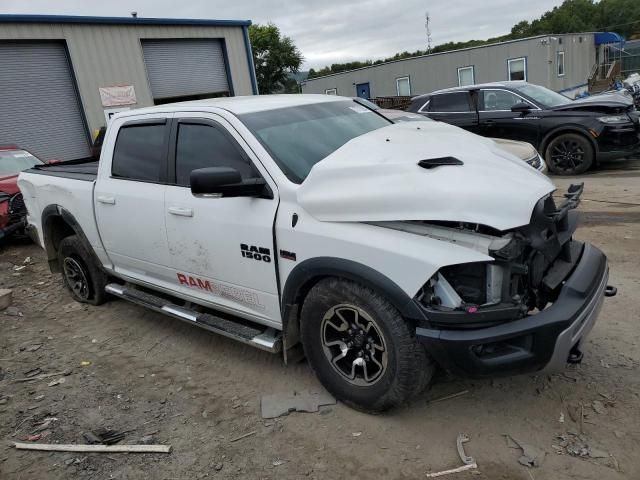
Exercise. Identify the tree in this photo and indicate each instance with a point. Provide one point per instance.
(274, 57)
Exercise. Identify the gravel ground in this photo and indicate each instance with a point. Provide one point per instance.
(162, 381)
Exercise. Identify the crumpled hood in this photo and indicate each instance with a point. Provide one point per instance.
(375, 177)
(600, 102)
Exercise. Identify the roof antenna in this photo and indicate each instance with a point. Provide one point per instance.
(134, 14)
(427, 27)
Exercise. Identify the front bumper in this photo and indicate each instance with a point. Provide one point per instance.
(616, 142)
(542, 341)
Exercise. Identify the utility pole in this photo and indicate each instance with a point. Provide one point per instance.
(427, 27)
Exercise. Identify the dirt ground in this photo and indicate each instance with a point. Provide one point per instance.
(140, 372)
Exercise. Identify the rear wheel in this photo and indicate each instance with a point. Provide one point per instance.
(361, 348)
(85, 280)
(569, 154)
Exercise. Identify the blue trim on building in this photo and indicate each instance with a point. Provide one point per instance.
(608, 37)
(252, 67)
(11, 18)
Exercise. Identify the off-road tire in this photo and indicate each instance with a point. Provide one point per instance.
(72, 255)
(578, 157)
(408, 370)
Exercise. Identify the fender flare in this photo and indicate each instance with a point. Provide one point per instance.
(307, 273)
(568, 129)
(51, 212)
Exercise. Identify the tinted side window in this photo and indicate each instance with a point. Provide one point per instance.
(450, 102)
(139, 152)
(201, 146)
(498, 100)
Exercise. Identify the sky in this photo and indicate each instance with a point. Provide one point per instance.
(327, 31)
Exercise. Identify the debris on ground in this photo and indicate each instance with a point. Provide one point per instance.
(531, 456)
(578, 445)
(5, 298)
(33, 372)
(279, 404)
(45, 424)
(12, 312)
(243, 436)
(278, 462)
(599, 407)
(34, 347)
(93, 448)
(468, 462)
(448, 397)
(103, 436)
(43, 376)
(53, 383)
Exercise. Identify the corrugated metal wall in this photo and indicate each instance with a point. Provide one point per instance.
(434, 72)
(40, 109)
(185, 67)
(109, 55)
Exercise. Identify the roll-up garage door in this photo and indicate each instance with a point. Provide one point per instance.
(40, 108)
(185, 68)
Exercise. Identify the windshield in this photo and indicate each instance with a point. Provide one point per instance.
(13, 162)
(299, 137)
(543, 96)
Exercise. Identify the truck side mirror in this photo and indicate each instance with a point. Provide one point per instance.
(225, 181)
(521, 107)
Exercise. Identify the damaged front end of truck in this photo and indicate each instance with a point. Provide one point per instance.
(530, 308)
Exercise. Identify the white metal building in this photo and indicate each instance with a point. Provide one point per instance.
(62, 76)
(560, 62)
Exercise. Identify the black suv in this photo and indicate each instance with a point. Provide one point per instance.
(572, 135)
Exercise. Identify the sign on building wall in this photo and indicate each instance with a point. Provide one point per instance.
(117, 95)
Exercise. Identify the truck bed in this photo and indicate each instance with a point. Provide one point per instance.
(83, 169)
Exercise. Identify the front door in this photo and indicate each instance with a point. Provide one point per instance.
(498, 121)
(129, 200)
(221, 249)
(363, 91)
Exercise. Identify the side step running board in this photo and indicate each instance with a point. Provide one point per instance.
(268, 339)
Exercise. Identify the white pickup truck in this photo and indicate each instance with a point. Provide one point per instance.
(307, 220)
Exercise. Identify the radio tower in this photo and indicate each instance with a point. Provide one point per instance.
(428, 29)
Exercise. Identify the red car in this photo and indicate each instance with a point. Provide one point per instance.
(13, 160)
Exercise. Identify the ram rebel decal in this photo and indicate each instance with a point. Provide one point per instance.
(256, 253)
(240, 295)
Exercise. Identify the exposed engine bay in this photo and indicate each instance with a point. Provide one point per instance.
(530, 265)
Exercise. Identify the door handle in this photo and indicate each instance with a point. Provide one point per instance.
(107, 200)
(489, 122)
(181, 212)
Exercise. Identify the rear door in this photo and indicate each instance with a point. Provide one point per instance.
(455, 108)
(221, 248)
(129, 199)
(498, 121)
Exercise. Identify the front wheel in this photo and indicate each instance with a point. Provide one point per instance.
(360, 347)
(569, 154)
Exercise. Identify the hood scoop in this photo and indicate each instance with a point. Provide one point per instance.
(439, 162)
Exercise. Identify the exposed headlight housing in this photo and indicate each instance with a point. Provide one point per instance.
(614, 119)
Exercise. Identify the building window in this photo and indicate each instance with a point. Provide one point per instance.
(517, 68)
(403, 86)
(331, 91)
(560, 62)
(466, 76)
